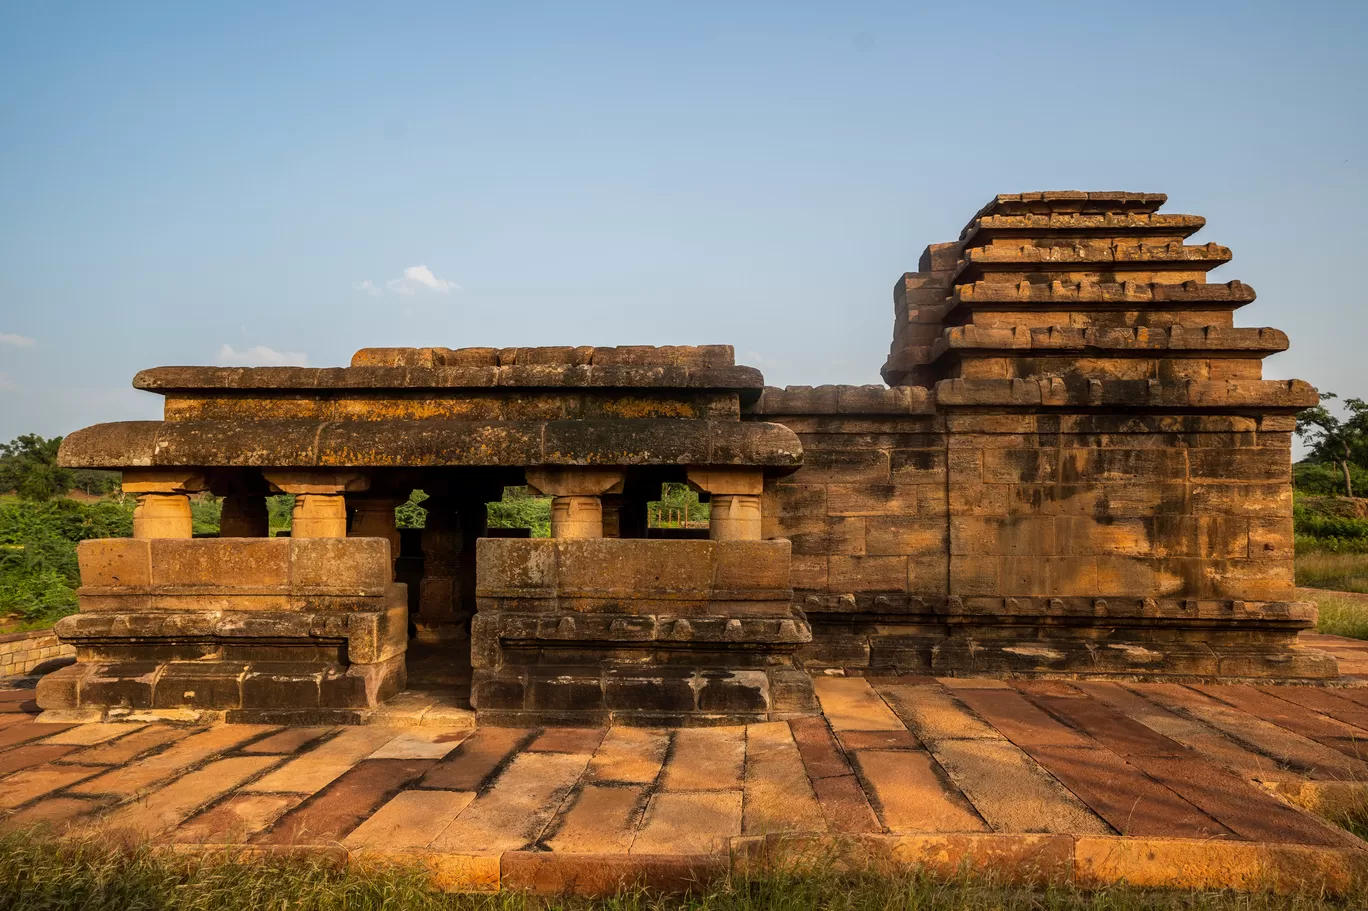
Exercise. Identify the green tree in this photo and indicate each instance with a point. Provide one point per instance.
(28, 466)
(1339, 441)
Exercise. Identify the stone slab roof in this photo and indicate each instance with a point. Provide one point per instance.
(429, 443)
(541, 376)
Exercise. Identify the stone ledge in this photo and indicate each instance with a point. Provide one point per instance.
(369, 636)
(558, 355)
(1172, 612)
(1185, 296)
(420, 377)
(1261, 395)
(853, 400)
(1025, 859)
(1172, 342)
(1032, 224)
(429, 443)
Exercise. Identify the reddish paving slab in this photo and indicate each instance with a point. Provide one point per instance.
(343, 805)
(34, 754)
(1238, 805)
(568, 740)
(878, 740)
(845, 805)
(1111, 728)
(289, 740)
(1019, 720)
(1324, 700)
(817, 746)
(1346, 738)
(1130, 802)
(473, 763)
(23, 733)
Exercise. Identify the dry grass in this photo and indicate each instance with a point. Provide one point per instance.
(1342, 615)
(1338, 572)
(41, 875)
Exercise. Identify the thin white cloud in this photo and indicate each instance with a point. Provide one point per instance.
(261, 356)
(18, 341)
(414, 280)
(6, 383)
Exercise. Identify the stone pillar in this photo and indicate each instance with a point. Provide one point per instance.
(163, 509)
(244, 516)
(735, 495)
(576, 508)
(320, 509)
(373, 517)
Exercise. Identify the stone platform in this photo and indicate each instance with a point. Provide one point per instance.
(1091, 782)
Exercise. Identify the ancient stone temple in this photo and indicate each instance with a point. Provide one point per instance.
(1076, 468)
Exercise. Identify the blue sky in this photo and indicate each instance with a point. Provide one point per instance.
(184, 184)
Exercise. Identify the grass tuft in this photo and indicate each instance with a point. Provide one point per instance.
(37, 874)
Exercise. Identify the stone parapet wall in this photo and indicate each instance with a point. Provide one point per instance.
(636, 631)
(259, 628)
(21, 653)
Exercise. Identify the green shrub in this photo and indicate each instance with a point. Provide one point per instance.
(520, 508)
(1326, 479)
(38, 570)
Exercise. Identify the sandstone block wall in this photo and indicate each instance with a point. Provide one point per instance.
(1077, 468)
(21, 653)
(589, 631)
(259, 628)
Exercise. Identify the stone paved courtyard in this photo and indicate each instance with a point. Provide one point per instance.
(1167, 783)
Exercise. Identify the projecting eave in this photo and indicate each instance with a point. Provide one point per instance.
(430, 444)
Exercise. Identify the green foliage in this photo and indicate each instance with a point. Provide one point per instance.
(520, 508)
(96, 483)
(206, 511)
(28, 466)
(279, 510)
(1328, 525)
(1319, 525)
(1323, 479)
(678, 504)
(1342, 442)
(38, 570)
(411, 514)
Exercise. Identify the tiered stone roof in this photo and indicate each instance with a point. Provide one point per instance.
(1069, 298)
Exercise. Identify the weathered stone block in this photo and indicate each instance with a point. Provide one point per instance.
(212, 685)
(115, 562)
(359, 566)
(284, 685)
(862, 574)
(129, 684)
(733, 691)
(249, 563)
